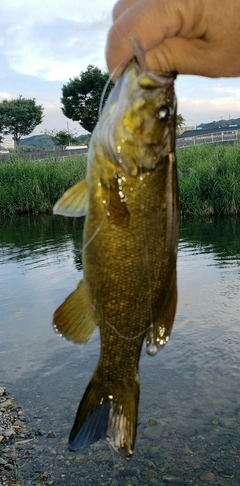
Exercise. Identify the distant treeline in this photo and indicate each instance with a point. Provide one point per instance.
(44, 142)
(220, 123)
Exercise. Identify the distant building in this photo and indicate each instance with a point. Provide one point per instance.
(8, 144)
(76, 147)
(207, 131)
(185, 128)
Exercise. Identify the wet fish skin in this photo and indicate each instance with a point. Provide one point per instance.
(130, 248)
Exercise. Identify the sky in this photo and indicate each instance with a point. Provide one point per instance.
(44, 43)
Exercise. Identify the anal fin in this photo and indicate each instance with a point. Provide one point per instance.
(74, 319)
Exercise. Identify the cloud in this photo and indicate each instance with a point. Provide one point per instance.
(58, 44)
(203, 100)
(6, 96)
(44, 43)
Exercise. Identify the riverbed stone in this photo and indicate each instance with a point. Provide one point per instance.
(187, 450)
(209, 476)
(154, 432)
(186, 431)
(229, 422)
(8, 433)
(175, 480)
(152, 422)
(2, 462)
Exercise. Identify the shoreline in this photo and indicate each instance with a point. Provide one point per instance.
(13, 432)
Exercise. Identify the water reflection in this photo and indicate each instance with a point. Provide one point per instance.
(191, 389)
(219, 237)
(32, 238)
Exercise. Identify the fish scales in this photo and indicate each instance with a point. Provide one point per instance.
(129, 289)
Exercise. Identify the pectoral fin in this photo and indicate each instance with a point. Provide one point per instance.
(74, 319)
(159, 332)
(74, 201)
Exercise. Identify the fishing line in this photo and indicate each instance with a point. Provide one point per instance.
(147, 261)
(108, 202)
(126, 337)
(140, 56)
(99, 226)
(100, 108)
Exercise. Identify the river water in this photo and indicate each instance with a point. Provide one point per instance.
(189, 412)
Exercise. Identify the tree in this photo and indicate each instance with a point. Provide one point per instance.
(62, 138)
(19, 117)
(1, 133)
(81, 97)
(180, 121)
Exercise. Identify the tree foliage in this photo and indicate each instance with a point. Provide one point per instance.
(180, 121)
(63, 138)
(81, 97)
(19, 117)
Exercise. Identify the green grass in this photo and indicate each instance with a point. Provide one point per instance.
(212, 188)
(27, 186)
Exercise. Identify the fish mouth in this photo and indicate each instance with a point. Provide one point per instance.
(136, 145)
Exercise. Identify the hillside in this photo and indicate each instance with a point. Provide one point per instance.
(37, 142)
(220, 123)
(44, 142)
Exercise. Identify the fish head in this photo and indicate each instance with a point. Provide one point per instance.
(139, 119)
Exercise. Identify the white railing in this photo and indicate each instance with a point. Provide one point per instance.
(211, 138)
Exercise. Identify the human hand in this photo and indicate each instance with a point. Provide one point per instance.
(188, 36)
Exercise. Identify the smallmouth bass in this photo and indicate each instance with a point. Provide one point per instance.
(129, 289)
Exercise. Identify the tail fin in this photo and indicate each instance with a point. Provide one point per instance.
(107, 410)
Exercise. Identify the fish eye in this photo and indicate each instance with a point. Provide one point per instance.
(163, 113)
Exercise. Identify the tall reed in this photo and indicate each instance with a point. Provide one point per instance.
(213, 186)
(28, 186)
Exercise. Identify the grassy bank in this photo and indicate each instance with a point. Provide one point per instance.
(209, 181)
(213, 186)
(34, 187)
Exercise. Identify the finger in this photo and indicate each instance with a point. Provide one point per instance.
(186, 56)
(121, 6)
(151, 23)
